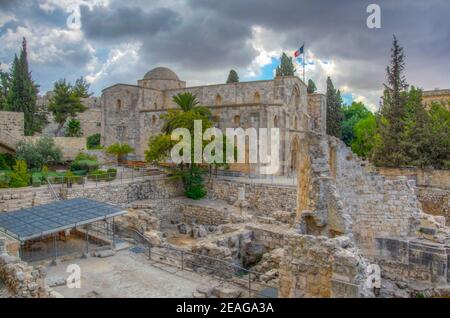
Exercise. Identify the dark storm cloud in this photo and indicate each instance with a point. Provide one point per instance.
(132, 22)
(196, 41)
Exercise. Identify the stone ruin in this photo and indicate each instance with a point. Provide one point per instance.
(326, 238)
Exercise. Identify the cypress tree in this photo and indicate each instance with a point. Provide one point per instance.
(233, 77)
(286, 67)
(23, 92)
(391, 150)
(334, 111)
(311, 87)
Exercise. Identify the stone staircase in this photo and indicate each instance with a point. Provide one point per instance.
(16, 199)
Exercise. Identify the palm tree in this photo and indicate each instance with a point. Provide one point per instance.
(184, 117)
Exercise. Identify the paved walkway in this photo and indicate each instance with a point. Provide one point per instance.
(129, 275)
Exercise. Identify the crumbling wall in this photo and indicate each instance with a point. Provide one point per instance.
(316, 266)
(263, 199)
(22, 280)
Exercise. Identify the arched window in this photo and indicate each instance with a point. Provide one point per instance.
(155, 105)
(119, 105)
(154, 119)
(218, 100)
(295, 124)
(257, 98)
(275, 121)
(237, 120)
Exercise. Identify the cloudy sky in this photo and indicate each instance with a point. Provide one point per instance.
(118, 41)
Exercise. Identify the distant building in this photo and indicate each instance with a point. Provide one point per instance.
(131, 113)
(436, 95)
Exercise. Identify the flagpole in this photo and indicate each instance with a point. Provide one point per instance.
(304, 60)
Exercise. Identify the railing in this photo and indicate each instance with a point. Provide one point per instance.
(94, 180)
(188, 261)
(55, 195)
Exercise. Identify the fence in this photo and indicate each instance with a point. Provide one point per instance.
(187, 261)
(96, 179)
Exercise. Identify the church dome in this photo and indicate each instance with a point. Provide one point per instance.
(161, 73)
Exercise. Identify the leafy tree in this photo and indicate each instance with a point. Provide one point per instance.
(334, 112)
(19, 176)
(81, 88)
(161, 145)
(120, 150)
(351, 116)
(391, 150)
(64, 103)
(233, 77)
(311, 87)
(439, 127)
(286, 67)
(74, 128)
(39, 153)
(22, 94)
(93, 141)
(365, 136)
(4, 89)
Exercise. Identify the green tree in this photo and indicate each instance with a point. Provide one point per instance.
(19, 176)
(161, 145)
(391, 151)
(40, 153)
(351, 116)
(365, 136)
(120, 150)
(74, 128)
(81, 88)
(286, 67)
(93, 141)
(64, 103)
(23, 92)
(439, 127)
(311, 87)
(4, 89)
(233, 77)
(334, 111)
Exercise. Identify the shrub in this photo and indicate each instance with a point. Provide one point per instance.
(5, 179)
(93, 142)
(38, 154)
(73, 128)
(193, 183)
(8, 159)
(36, 180)
(102, 175)
(44, 172)
(3, 164)
(85, 156)
(84, 165)
(19, 176)
(120, 150)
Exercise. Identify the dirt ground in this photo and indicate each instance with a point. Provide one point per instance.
(128, 275)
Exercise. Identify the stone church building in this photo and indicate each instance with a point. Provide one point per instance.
(131, 113)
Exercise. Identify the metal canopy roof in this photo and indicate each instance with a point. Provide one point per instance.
(51, 218)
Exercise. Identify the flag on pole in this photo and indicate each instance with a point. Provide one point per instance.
(300, 51)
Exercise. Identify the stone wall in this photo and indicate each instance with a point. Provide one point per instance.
(316, 266)
(122, 194)
(433, 187)
(22, 280)
(263, 199)
(12, 123)
(70, 146)
(203, 214)
(411, 265)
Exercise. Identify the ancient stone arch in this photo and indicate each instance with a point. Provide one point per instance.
(257, 98)
(119, 104)
(218, 100)
(275, 121)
